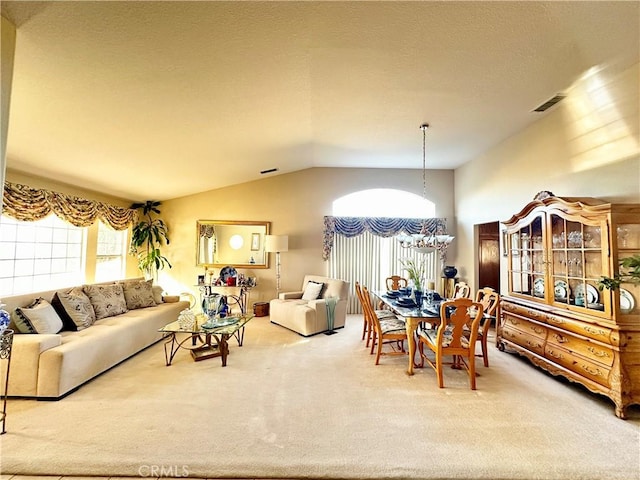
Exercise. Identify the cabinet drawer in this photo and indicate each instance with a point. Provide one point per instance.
(587, 329)
(530, 342)
(524, 325)
(578, 364)
(585, 348)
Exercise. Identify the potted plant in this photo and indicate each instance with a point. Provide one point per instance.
(416, 272)
(147, 236)
(629, 272)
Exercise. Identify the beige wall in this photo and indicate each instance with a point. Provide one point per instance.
(588, 145)
(7, 50)
(295, 204)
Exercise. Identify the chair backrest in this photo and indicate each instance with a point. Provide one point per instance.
(395, 281)
(461, 290)
(370, 314)
(458, 329)
(489, 299)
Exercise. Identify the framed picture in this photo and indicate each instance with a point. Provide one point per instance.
(200, 279)
(255, 242)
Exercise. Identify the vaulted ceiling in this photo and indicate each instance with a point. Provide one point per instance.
(163, 99)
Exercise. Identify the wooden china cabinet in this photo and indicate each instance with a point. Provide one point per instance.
(554, 314)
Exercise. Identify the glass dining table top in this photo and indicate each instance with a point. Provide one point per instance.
(426, 310)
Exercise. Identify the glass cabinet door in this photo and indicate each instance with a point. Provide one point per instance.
(527, 259)
(576, 263)
(627, 236)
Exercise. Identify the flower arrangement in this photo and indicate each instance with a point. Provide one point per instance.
(415, 271)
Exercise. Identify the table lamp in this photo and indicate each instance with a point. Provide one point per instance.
(277, 244)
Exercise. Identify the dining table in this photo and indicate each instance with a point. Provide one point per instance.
(427, 312)
(413, 316)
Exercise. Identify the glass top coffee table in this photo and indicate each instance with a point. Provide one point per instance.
(204, 342)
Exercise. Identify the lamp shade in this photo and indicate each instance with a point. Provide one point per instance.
(276, 243)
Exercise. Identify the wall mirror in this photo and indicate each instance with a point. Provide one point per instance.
(239, 244)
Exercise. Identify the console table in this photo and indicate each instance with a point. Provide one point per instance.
(239, 295)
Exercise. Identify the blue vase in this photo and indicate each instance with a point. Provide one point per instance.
(418, 295)
(450, 271)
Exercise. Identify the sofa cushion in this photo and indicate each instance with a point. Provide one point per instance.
(38, 317)
(157, 294)
(74, 308)
(138, 294)
(107, 300)
(312, 290)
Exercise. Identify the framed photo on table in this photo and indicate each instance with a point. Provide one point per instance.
(255, 242)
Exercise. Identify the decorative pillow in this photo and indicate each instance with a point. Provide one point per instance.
(138, 294)
(107, 300)
(312, 290)
(157, 294)
(74, 308)
(38, 317)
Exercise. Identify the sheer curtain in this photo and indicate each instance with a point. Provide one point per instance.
(369, 259)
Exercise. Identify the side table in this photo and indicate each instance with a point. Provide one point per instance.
(6, 342)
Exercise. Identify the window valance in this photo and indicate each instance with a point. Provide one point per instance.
(29, 204)
(381, 226)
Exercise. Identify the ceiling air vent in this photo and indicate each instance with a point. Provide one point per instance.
(549, 103)
(271, 170)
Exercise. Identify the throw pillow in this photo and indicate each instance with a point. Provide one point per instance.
(74, 308)
(312, 290)
(138, 294)
(38, 317)
(107, 300)
(157, 294)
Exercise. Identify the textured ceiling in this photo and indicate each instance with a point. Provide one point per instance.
(163, 99)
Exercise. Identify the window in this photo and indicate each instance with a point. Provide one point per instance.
(40, 255)
(351, 257)
(111, 253)
(383, 202)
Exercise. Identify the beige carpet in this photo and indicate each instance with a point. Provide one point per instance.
(294, 407)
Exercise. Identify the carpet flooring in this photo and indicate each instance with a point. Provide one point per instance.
(292, 407)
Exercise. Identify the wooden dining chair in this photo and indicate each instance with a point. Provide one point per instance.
(455, 336)
(367, 327)
(386, 331)
(461, 290)
(490, 300)
(394, 282)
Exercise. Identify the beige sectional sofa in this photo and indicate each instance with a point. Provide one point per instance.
(299, 312)
(50, 365)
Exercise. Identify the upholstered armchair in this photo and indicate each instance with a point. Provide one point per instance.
(305, 311)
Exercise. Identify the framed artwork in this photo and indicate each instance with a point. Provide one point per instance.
(255, 242)
(200, 279)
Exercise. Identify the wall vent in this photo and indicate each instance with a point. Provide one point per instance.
(549, 103)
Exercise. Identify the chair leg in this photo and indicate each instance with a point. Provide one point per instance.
(485, 353)
(374, 338)
(439, 371)
(379, 351)
(364, 328)
(472, 371)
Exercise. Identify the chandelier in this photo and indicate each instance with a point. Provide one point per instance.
(425, 241)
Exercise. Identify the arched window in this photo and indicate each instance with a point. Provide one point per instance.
(383, 202)
(369, 259)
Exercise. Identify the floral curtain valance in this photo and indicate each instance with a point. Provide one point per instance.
(29, 204)
(381, 226)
